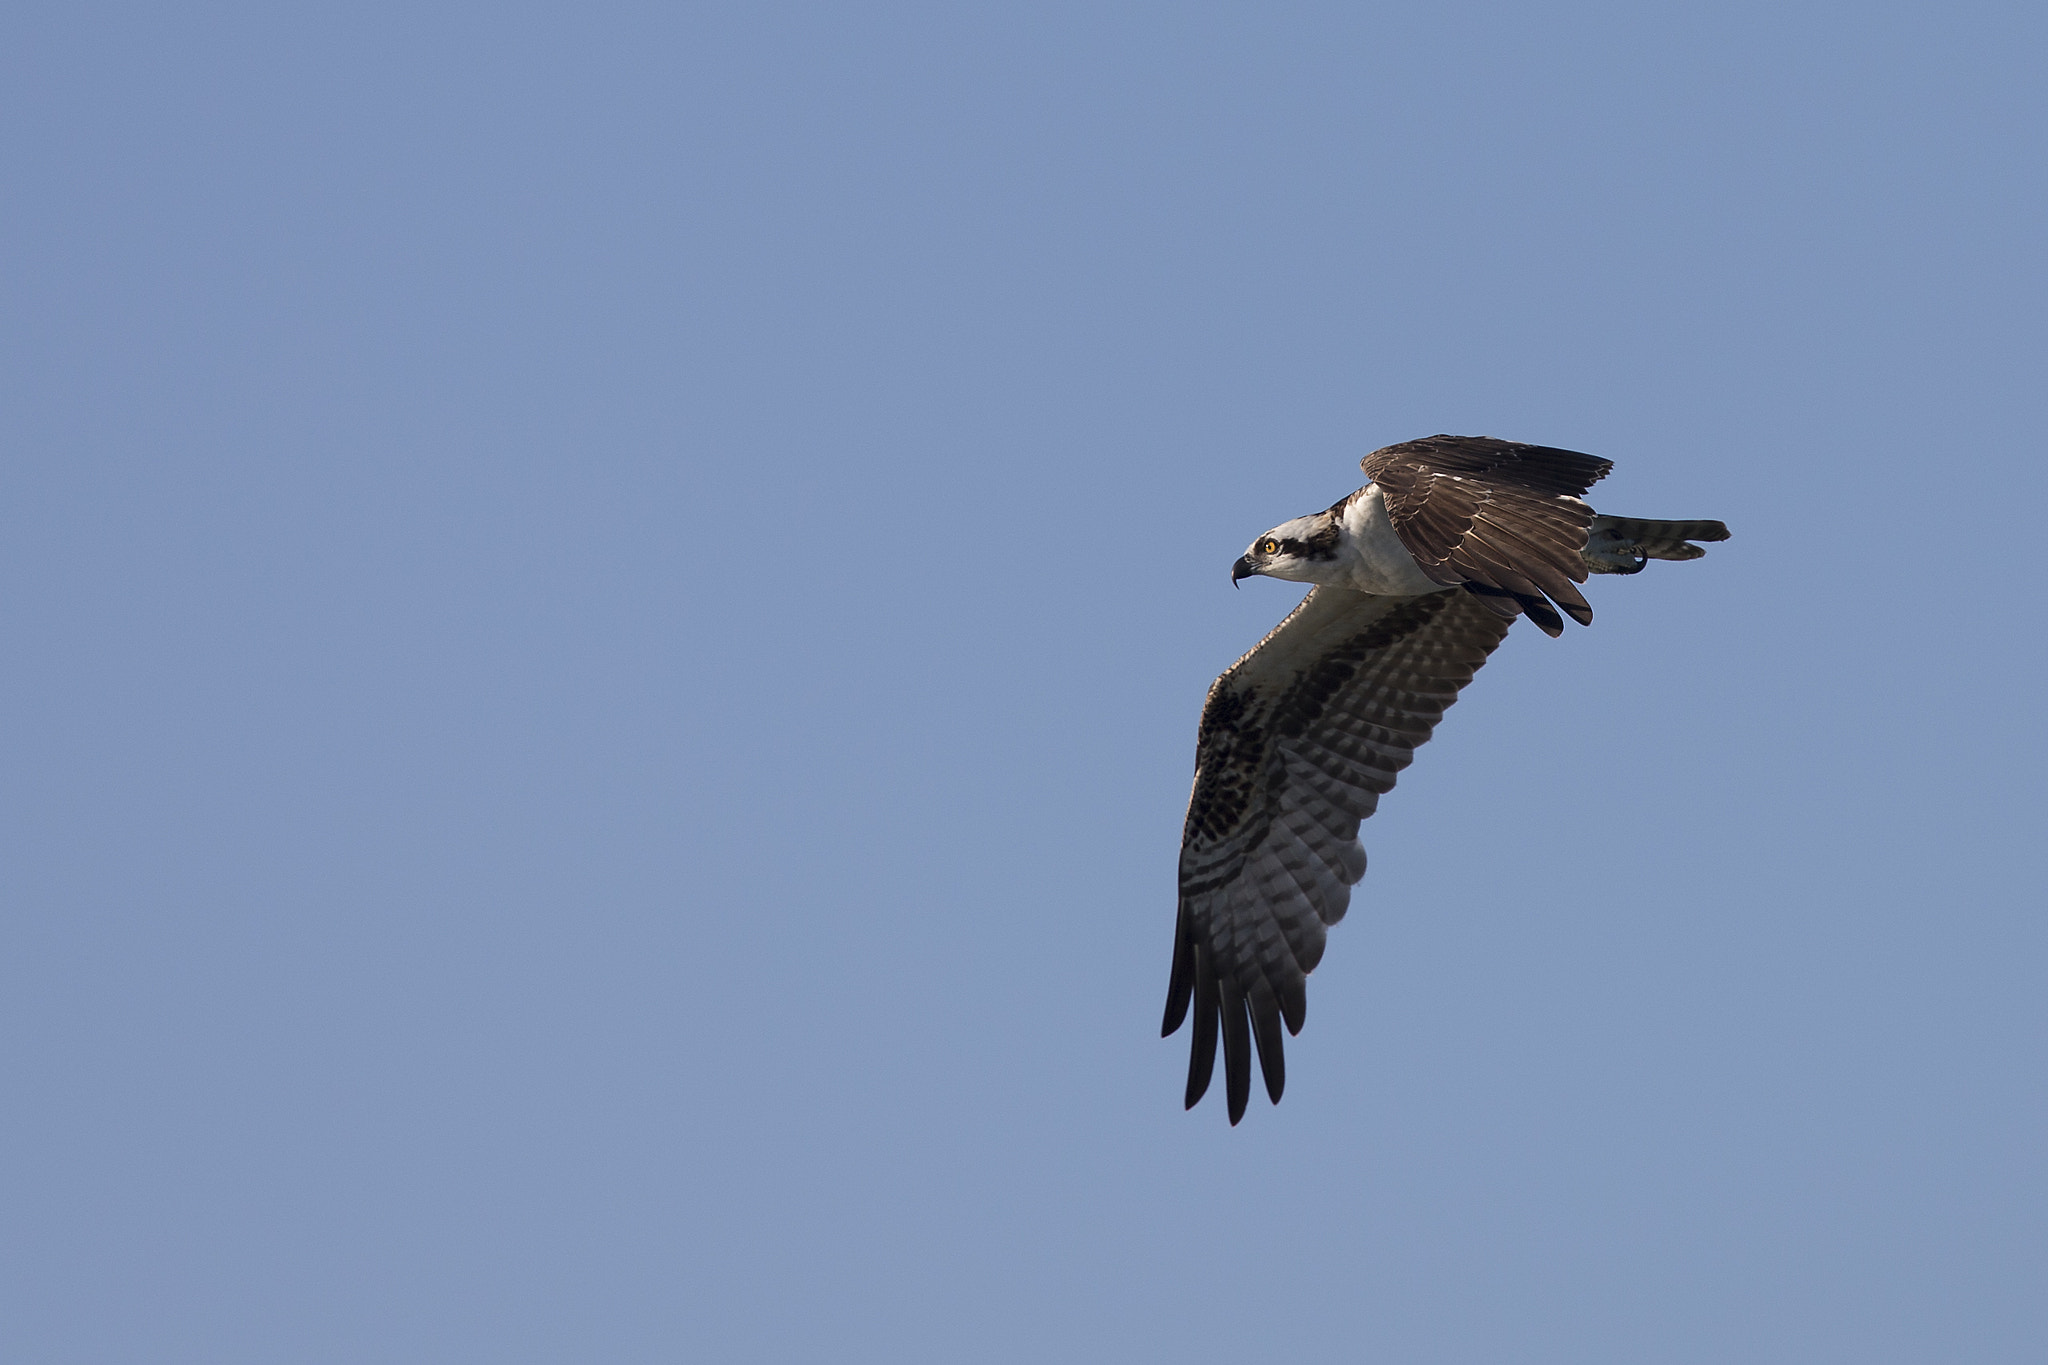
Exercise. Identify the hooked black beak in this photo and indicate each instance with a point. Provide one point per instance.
(1242, 569)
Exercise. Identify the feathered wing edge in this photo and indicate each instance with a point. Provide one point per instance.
(1350, 712)
(1504, 521)
(1222, 1006)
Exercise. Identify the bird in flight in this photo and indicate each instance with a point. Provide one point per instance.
(1418, 576)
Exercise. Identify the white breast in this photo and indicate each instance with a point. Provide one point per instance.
(1379, 562)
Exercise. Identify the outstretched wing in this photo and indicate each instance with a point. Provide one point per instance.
(1502, 519)
(1298, 740)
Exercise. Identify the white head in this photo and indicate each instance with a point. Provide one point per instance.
(1304, 550)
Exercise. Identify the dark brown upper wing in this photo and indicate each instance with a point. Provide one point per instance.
(1299, 739)
(1502, 519)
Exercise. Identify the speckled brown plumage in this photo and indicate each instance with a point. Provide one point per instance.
(1298, 740)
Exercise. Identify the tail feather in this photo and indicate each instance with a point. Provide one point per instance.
(1626, 544)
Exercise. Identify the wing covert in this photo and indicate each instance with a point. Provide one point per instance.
(1504, 520)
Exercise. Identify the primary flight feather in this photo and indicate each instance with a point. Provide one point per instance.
(1418, 576)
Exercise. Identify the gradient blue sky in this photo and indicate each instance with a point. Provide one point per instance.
(604, 609)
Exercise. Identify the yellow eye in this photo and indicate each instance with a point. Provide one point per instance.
(1269, 546)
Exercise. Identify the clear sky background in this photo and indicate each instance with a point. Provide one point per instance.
(603, 608)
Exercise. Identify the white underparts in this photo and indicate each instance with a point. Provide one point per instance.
(1371, 557)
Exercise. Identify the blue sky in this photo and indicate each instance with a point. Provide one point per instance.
(604, 612)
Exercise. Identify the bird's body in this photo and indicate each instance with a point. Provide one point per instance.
(1417, 577)
(1369, 555)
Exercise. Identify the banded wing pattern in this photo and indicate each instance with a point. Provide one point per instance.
(1502, 519)
(1298, 740)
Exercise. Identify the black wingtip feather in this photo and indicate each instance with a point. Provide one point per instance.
(1202, 1047)
(1545, 616)
(1265, 1013)
(1511, 604)
(1237, 1051)
(1181, 987)
(1294, 1004)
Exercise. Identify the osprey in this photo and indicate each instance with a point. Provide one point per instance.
(1418, 576)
